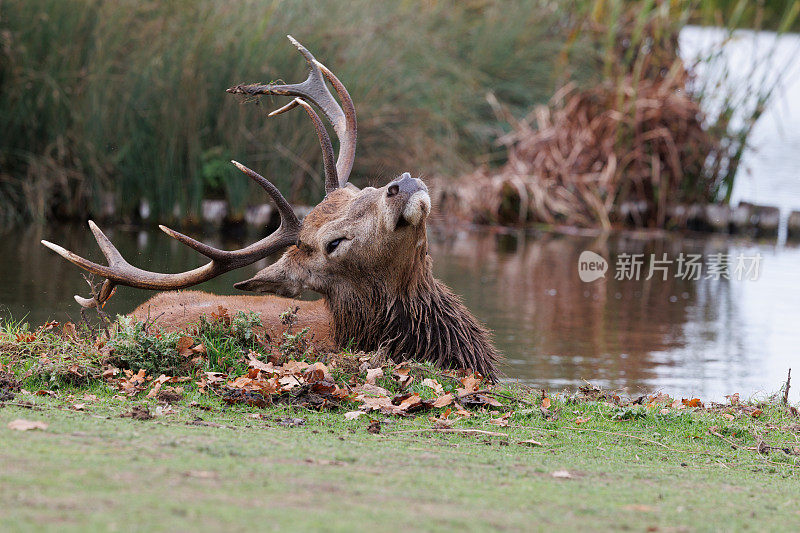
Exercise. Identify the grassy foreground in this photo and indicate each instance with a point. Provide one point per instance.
(243, 467)
(280, 439)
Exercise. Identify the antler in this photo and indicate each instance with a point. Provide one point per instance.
(120, 272)
(314, 90)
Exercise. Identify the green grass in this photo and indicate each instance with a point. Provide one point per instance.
(92, 470)
(204, 464)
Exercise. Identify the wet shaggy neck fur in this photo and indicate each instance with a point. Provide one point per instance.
(419, 319)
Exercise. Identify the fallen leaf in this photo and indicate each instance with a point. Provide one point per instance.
(546, 403)
(89, 398)
(374, 374)
(561, 474)
(433, 384)
(532, 443)
(443, 400)
(728, 416)
(294, 367)
(353, 414)
(581, 420)
(70, 330)
(733, 398)
(470, 383)
(694, 402)
(501, 421)
(374, 390)
(184, 346)
(79, 406)
(21, 424)
(460, 411)
(756, 413)
(411, 401)
(317, 372)
(374, 427)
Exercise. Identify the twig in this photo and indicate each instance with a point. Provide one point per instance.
(452, 430)
(785, 401)
(500, 395)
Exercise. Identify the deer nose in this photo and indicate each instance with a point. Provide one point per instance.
(405, 184)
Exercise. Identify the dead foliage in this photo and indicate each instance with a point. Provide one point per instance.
(615, 153)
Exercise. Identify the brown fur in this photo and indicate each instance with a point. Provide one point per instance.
(378, 285)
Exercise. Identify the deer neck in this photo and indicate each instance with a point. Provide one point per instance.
(413, 317)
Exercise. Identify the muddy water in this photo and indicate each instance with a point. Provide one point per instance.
(707, 337)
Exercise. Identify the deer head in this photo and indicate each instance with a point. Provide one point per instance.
(365, 250)
(354, 238)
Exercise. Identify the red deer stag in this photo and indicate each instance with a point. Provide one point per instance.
(365, 251)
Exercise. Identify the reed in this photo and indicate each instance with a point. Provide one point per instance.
(115, 101)
(646, 136)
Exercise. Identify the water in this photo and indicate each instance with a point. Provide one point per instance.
(770, 171)
(706, 338)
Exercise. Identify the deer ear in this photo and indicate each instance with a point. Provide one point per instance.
(277, 278)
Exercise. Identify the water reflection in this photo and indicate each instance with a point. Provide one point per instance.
(708, 337)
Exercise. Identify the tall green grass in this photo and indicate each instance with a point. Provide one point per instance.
(125, 99)
(113, 101)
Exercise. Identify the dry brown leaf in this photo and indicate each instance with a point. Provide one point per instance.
(470, 384)
(353, 414)
(317, 372)
(70, 330)
(756, 413)
(546, 403)
(694, 402)
(372, 403)
(433, 384)
(531, 442)
(561, 474)
(373, 390)
(412, 401)
(581, 420)
(89, 398)
(501, 421)
(79, 406)
(460, 411)
(374, 374)
(443, 400)
(21, 424)
(733, 398)
(184, 346)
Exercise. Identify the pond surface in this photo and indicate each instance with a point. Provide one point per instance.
(707, 337)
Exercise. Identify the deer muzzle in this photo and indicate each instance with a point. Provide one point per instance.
(409, 196)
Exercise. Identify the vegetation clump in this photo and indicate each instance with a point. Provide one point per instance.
(625, 150)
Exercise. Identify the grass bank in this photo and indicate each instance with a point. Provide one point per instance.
(280, 437)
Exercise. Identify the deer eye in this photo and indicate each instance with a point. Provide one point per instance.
(331, 246)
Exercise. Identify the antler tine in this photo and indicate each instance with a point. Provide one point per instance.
(314, 90)
(120, 272)
(331, 179)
